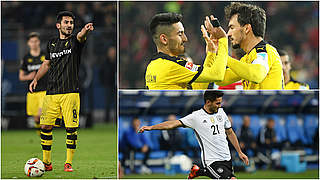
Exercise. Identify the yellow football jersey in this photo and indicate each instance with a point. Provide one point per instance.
(260, 69)
(167, 72)
(295, 85)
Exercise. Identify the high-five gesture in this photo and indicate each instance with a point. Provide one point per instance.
(210, 42)
(216, 32)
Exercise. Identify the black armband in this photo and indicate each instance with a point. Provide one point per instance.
(216, 23)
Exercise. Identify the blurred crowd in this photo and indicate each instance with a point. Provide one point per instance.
(292, 26)
(98, 67)
(261, 143)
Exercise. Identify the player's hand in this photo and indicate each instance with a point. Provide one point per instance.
(144, 128)
(33, 85)
(89, 27)
(209, 41)
(244, 158)
(216, 32)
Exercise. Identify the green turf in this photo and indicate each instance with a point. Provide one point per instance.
(95, 156)
(267, 174)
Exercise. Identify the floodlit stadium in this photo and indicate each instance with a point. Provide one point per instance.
(295, 116)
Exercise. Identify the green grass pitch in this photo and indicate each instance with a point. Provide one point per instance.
(95, 156)
(267, 174)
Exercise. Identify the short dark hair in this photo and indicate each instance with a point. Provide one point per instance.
(163, 19)
(64, 13)
(212, 95)
(248, 14)
(33, 34)
(283, 52)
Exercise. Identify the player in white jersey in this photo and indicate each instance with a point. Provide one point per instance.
(211, 126)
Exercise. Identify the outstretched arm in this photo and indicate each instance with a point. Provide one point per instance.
(162, 126)
(41, 72)
(82, 35)
(233, 139)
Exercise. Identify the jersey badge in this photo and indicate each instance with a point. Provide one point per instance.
(192, 67)
(42, 58)
(212, 120)
(53, 44)
(30, 60)
(219, 118)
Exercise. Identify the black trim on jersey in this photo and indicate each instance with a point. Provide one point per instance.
(183, 125)
(260, 47)
(207, 111)
(295, 81)
(200, 69)
(178, 60)
(202, 147)
(228, 128)
(165, 56)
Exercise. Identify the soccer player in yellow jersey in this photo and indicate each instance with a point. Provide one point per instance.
(290, 83)
(260, 68)
(62, 62)
(167, 71)
(30, 64)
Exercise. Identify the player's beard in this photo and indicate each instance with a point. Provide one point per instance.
(236, 46)
(65, 33)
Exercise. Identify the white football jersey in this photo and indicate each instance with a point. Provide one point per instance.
(210, 132)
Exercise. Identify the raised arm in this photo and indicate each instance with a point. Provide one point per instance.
(82, 35)
(214, 66)
(41, 72)
(162, 126)
(234, 141)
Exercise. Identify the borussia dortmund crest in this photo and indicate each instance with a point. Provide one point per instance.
(30, 60)
(212, 120)
(42, 58)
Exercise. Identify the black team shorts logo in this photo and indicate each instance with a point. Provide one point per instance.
(59, 54)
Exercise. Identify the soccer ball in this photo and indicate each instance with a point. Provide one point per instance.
(34, 167)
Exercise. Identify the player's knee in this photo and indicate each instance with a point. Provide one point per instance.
(71, 130)
(46, 127)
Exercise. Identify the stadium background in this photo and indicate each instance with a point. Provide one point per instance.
(293, 26)
(295, 114)
(97, 145)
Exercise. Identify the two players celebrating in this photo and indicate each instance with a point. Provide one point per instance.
(259, 68)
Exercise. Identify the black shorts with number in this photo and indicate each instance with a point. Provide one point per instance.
(218, 170)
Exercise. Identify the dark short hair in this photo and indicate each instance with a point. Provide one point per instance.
(212, 95)
(248, 14)
(163, 19)
(283, 52)
(33, 34)
(64, 13)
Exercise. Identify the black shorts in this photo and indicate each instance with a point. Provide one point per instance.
(220, 170)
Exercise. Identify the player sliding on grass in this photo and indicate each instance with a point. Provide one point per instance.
(62, 62)
(167, 70)
(260, 67)
(211, 126)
